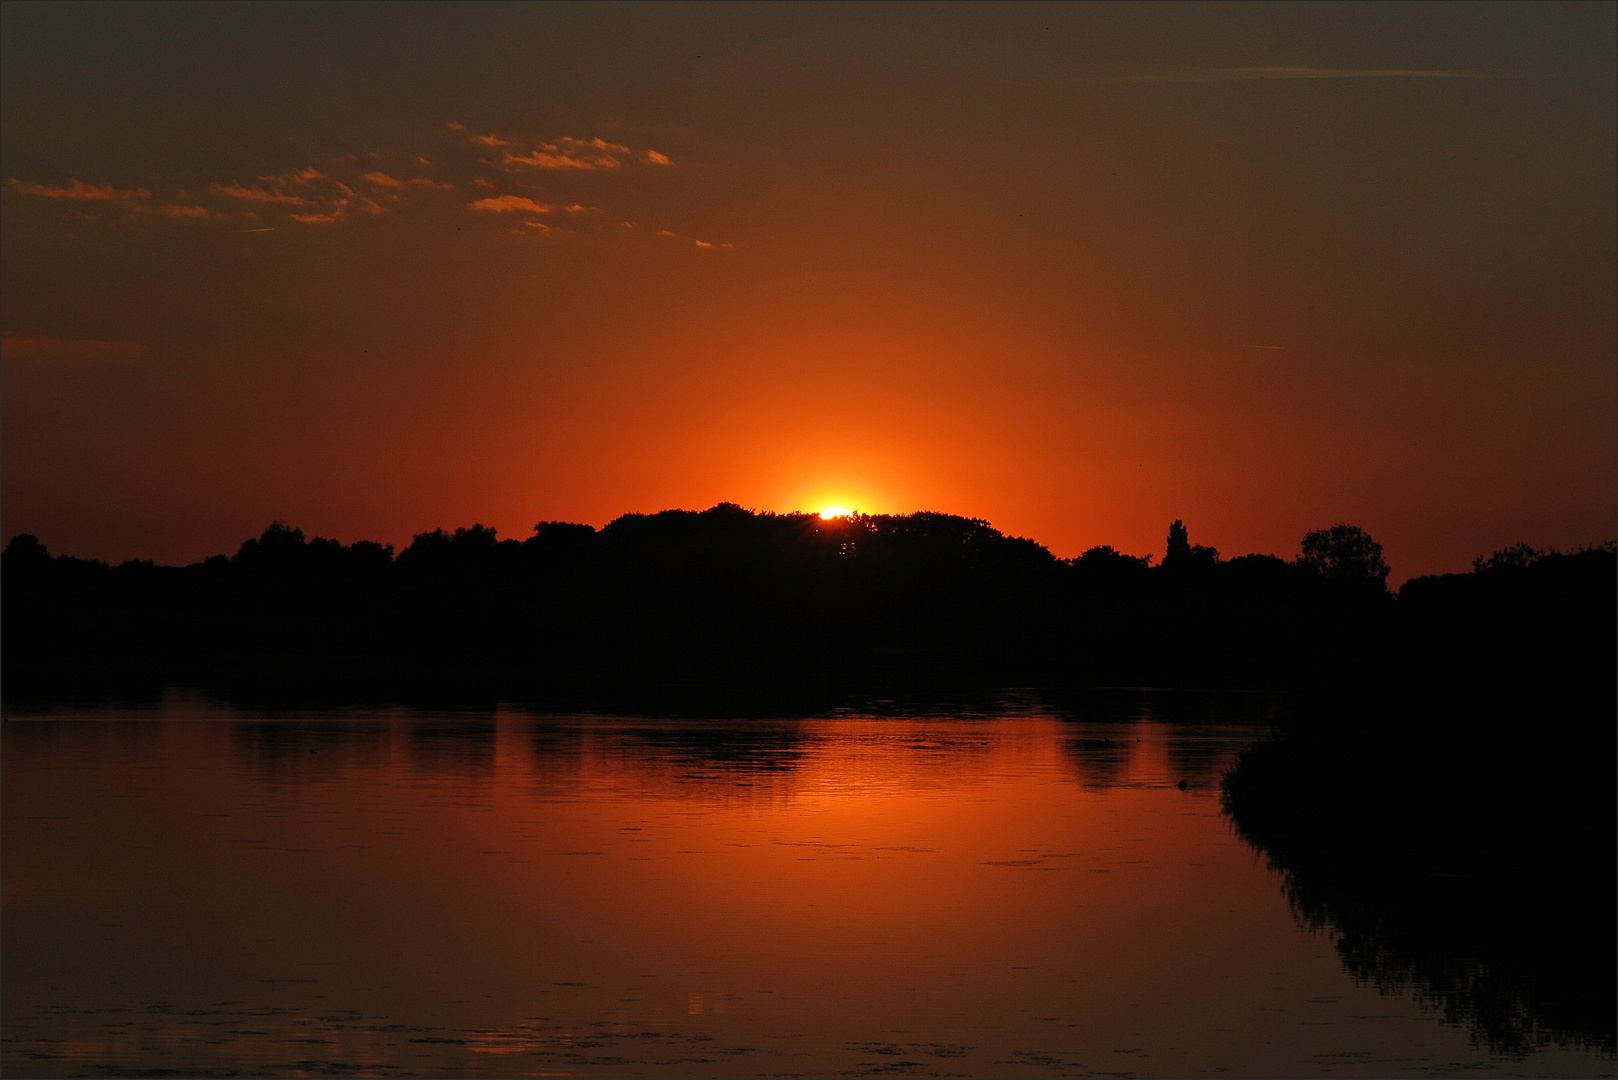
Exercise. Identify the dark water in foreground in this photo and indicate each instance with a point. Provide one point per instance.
(997, 890)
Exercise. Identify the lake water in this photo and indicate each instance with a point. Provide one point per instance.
(1004, 888)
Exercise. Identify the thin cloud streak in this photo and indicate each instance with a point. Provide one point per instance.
(507, 204)
(382, 179)
(255, 193)
(78, 189)
(51, 349)
(582, 154)
(1286, 72)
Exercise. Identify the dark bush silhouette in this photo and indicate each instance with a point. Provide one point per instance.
(1518, 556)
(1345, 553)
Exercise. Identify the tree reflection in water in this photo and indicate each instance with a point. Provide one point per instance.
(1475, 874)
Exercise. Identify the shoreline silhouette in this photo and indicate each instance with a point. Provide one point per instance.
(1438, 793)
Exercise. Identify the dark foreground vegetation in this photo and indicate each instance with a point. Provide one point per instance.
(1453, 827)
(1442, 799)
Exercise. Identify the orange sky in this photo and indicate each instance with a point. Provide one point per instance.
(1079, 270)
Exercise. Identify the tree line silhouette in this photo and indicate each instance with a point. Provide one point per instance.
(728, 594)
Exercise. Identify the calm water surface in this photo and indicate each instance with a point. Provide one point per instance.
(990, 891)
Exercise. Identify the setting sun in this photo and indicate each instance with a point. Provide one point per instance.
(835, 512)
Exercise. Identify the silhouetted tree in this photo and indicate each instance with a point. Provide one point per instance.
(1179, 544)
(1518, 556)
(275, 546)
(1181, 553)
(1108, 557)
(25, 550)
(559, 536)
(1344, 553)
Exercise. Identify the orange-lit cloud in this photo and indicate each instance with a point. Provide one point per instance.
(382, 179)
(581, 154)
(77, 189)
(702, 244)
(506, 204)
(331, 193)
(255, 193)
(325, 198)
(553, 159)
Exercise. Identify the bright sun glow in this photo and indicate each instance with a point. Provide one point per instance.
(835, 512)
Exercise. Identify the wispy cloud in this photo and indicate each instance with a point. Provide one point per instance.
(257, 194)
(1284, 72)
(584, 154)
(701, 245)
(322, 197)
(520, 177)
(78, 189)
(382, 179)
(507, 204)
(42, 349)
(131, 198)
(569, 154)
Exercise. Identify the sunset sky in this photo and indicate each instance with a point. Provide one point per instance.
(1079, 270)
